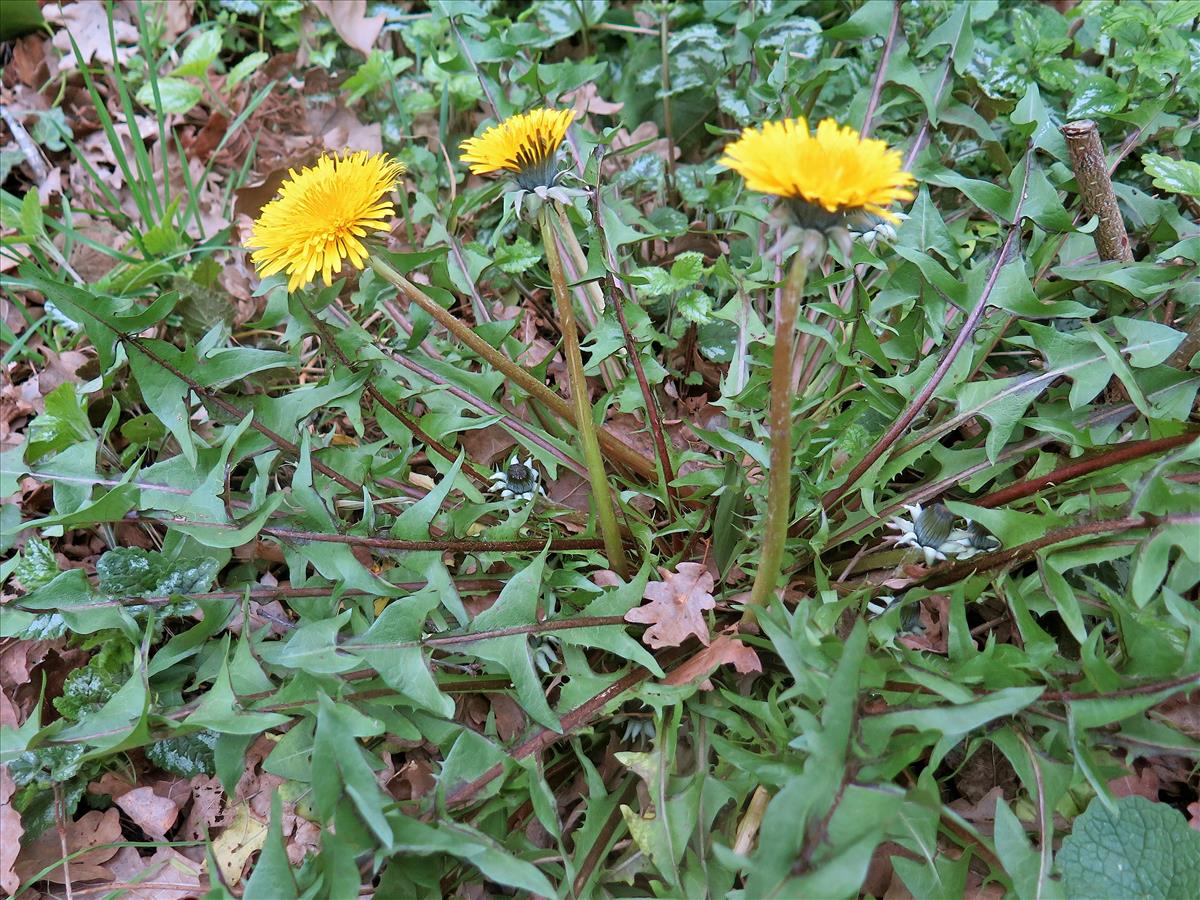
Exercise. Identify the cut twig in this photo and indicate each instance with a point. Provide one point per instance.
(1096, 190)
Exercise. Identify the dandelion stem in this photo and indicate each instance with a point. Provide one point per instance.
(614, 446)
(589, 443)
(779, 478)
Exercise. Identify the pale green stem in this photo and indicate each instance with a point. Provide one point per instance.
(779, 478)
(589, 444)
(614, 446)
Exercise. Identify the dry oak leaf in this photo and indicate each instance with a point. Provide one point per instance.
(153, 814)
(167, 875)
(10, 827)
(350, 20)
(91, 830)
(724, 649)
(677, 605)
(87, 22)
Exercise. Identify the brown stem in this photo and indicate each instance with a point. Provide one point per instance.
(648, 399)
(949, 574)
(1123, 453)
(544, 738)
(881, 72)
(1096, 190)
(600, 842)
(469, 545)
(1138, 691)
(621, 452)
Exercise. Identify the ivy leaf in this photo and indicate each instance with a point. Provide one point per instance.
(1136, 848)
(1176, 176)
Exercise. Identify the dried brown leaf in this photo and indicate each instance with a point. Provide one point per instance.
(1142, 784)
(87, 22)
(153, 814)
(350, 20)
(167, 875)
(10, 827)
(677, 605)
(723, 650)
(92, 829)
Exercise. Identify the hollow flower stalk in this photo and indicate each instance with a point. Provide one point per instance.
(826, 180)
(526, 146)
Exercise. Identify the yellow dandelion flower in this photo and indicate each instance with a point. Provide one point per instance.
(835, 169)
(526, 145)
(321, 215)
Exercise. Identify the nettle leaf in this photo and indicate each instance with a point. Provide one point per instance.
(653, 281)
(1176, 176)
(695, 306)
(185, 756)
(134, 572)
(36, 565)
(1136, 848)
(517, 257)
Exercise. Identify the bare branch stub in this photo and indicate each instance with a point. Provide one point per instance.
(1095, 187)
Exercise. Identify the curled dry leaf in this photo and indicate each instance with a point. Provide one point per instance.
(10, 827)
(724, 649)
(677, 605)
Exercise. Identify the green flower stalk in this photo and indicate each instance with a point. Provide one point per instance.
(525, 147)
(589, 444)
(827, 181)
(779, 477)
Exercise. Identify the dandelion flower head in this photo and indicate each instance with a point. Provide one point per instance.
(525, 144)
(321, 215)
(835, 169)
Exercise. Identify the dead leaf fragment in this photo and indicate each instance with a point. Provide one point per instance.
(242, 839)
(87, 22)
(10, 827)
(153, 814)
(92, 829)
(677, 606)
(1143, 784)
(725, 649)
(350, 20)
(167, 875)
